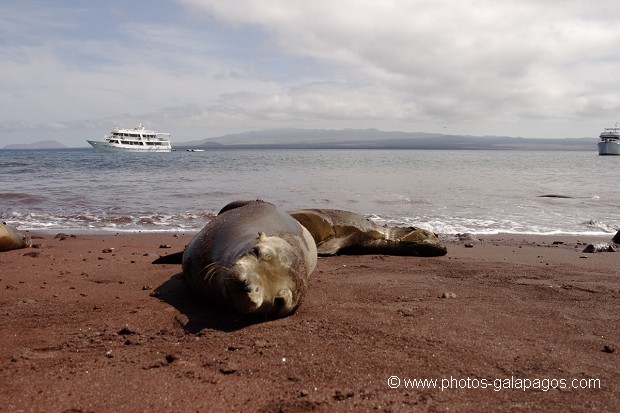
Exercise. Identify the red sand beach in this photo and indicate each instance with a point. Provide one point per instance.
(506, 323)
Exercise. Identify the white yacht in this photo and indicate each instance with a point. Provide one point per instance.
(610, 141)
(134, 140)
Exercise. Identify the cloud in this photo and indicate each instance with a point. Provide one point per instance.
(453, 60)
(206, 67)
(140, 69)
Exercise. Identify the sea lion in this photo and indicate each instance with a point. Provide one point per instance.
(343, 232)
(11, 239)
(251, 258)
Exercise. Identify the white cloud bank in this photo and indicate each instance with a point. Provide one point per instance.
(514, 67)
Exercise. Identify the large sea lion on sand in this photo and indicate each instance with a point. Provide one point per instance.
(344, 232)
(251, 258)
(11, 239)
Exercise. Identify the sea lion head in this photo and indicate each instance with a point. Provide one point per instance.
(263, 279)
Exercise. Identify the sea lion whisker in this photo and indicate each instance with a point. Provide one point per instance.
(211, 269)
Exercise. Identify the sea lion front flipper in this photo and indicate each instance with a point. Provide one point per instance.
(329, 248)
(320, 229)
(398, 233)
(174, 258)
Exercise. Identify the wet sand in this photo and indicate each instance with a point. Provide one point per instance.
(90, 325)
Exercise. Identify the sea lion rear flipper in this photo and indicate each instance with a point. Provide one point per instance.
(174, 258)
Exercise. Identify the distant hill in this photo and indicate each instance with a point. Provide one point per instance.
(377, 139)
(37, 145)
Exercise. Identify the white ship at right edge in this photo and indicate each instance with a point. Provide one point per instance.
(610, 141)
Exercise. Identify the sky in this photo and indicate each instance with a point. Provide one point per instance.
(71, 70)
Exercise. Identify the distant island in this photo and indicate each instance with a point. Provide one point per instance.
(360, 139)
(377, 139)
(37, 145)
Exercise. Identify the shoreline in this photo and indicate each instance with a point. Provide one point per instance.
(112, 232)
(91, 325)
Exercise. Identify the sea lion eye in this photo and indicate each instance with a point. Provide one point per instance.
(244, 287)
(255, 251)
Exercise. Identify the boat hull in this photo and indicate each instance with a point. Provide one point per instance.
(107, 147)
(609, 148)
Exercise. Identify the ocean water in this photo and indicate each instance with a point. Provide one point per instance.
(449, 192)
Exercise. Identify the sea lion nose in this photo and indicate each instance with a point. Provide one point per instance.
(283, 299)
(279, 302)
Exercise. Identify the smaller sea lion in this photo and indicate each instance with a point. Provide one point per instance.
(343, 232)
(11, 239)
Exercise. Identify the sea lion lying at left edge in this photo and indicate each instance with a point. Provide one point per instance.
(11, 239)
(343, 232)
(251, 258)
